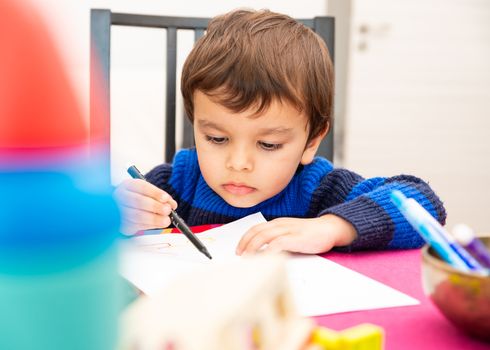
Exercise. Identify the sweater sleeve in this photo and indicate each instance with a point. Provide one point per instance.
(366, 204)
(160, 177)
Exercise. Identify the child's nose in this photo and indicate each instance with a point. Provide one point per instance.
(239, 159)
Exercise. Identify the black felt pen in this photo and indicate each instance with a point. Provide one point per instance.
(176, 219)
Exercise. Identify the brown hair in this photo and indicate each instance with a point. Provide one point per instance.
(249, 58)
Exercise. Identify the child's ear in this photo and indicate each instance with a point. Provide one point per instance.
(312, 147)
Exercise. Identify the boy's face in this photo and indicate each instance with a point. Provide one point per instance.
(246, 158)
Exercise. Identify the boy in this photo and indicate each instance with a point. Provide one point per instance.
(258, 88)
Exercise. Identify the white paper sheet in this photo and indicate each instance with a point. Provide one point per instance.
(319, 286)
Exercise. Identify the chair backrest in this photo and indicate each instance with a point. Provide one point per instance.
(100, 28)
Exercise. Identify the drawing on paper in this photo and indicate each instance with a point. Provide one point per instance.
(171, 247)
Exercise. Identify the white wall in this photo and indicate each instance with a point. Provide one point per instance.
(418, 98)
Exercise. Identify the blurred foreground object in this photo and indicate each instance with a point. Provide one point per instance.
(365, 336)
(242, 305)
(59, 287)
(462, 297)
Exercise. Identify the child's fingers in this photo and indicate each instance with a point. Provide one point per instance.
(259, 235)
(145, 218)
(126, 193)
(173, 203)
(138, 201)
(135, 220)
(147, 189)
(166, 198)
(263, 238)
(248, 236)
(129, 228)
(283, 243)
(299, 243)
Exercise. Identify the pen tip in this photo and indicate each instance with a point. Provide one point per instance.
(208, 255)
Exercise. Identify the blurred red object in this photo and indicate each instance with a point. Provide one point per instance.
(38, 108)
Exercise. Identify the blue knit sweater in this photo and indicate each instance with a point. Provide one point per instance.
(315, 190)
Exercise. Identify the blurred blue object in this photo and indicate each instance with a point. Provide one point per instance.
(48, 223)
(59, 285)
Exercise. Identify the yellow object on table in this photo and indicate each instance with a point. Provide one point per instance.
(365, 336)
(326, 338)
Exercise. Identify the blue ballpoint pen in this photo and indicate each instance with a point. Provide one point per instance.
(472, 263)
(411, 210)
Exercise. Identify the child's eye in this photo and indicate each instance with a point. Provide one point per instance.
(216, 140)
(269, 146)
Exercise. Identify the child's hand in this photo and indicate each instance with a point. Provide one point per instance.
(143, 206)
(309, 236)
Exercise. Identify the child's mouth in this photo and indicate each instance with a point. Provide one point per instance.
(238, 189)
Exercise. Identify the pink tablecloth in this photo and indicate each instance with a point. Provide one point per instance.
(410, 327)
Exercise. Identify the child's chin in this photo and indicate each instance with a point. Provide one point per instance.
(241, 202)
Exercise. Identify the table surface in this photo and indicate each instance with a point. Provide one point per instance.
(408, 327)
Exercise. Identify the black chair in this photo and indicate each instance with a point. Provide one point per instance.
(100, 28)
